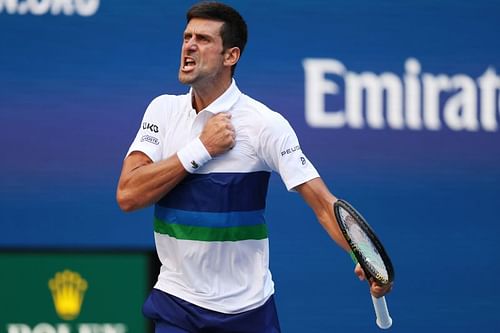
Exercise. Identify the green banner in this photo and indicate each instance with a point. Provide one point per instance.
(73, 292)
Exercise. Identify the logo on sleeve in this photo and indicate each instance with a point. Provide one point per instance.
(150, 139)
(148, 126)
(290, 150)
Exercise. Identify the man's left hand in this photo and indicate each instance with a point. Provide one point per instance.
(376, 289)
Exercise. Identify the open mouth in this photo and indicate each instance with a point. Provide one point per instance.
(188, 64)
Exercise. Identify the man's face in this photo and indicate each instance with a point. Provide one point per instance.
(202, 52)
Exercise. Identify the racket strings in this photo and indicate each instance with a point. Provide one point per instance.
(364, 246)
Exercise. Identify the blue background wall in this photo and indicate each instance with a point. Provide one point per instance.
(73, 90)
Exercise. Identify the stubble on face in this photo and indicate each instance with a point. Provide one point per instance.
(202, 52)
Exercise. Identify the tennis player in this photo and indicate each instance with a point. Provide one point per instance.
(203, 159)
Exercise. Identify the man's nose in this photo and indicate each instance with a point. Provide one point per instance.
(191, 44)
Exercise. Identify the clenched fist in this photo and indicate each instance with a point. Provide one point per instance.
(218, 135)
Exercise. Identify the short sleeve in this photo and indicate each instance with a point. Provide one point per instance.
(279, 147)
(151, 133)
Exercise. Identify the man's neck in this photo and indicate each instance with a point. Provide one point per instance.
(203, 95)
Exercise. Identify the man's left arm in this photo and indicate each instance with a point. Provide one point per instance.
(321, 201)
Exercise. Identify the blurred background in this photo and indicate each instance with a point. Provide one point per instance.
(396, 103)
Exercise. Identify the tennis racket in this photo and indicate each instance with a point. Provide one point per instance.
(368, 252)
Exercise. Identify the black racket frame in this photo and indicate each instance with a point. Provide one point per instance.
(373, 237)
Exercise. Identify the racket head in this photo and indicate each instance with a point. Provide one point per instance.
(365, 245)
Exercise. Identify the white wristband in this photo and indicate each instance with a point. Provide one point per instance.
(194, 155)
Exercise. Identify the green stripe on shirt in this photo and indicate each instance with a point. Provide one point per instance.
(209, 234)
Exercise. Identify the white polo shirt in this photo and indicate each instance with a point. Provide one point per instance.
(210, 230)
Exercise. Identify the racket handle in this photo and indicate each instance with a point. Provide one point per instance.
(384, 320)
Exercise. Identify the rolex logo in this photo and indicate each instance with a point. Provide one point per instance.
(68, 289)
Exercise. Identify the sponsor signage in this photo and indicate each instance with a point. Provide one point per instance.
(50, 7)
(417, 100)
(84, 292)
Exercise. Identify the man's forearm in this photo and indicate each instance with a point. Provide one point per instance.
(143, 184)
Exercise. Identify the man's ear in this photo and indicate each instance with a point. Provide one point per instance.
(231, 56)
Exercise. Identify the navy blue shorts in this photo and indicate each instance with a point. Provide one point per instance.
(174, 315)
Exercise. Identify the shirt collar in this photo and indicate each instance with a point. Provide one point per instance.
(225, 101)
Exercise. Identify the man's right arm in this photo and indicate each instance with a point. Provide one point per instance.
(144, 182)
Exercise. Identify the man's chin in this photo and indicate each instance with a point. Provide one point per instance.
(185, 79)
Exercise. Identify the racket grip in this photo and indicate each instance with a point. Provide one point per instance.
(384, 320)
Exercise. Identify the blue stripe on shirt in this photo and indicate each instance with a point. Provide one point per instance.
(209, 219)
(219, 192)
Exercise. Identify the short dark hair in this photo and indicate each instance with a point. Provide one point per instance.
(233, 32)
